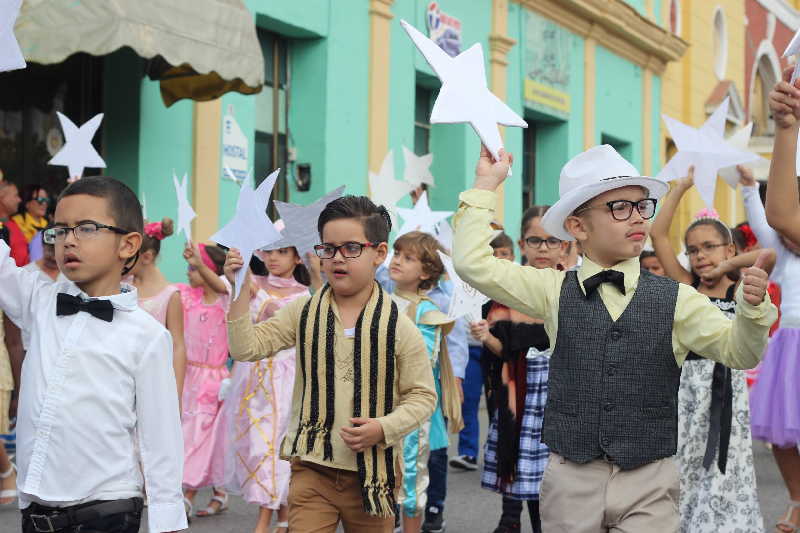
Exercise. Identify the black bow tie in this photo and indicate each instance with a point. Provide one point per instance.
(68, 304)
(614, 277)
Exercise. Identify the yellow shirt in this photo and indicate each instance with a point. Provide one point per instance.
(29, 225)
(413, 382)
(698, 326)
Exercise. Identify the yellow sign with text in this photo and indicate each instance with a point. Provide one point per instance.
(547, 96)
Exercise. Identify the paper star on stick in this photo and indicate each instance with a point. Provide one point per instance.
(420, 217)
(464, 96)
(465, 301)
(78, 152)
(385, 190)
(740, 141)
(10, 54)
(794, 50)
(185, 211)
(704, 148)
(301, 222)
(418, 168)
(250, 228)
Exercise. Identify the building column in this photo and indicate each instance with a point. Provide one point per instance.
(589, 91)
(206, 161)
(647, 123)
(499, 45)
(380, 18)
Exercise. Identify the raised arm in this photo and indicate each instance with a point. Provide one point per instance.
(783, 206)
(192, 256)
(18, 289)
(738, 262)
(754, 209)
(659, 233)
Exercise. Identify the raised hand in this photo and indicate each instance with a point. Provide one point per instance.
(755, 280)
(233, 262)
(489, 174)
(784, 102)
(192, 254)
(687, 182)
(746, 178)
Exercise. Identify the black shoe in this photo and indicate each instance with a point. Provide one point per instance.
(434, 521)
(464, 462)
(516, 528)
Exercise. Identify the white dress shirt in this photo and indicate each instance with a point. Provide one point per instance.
(89, 389)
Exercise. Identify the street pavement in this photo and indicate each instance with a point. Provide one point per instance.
(470, 509)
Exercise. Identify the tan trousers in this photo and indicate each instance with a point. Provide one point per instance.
(321, 497)
(599, 497)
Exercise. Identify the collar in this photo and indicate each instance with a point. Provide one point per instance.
(629, 267)
(414, 298)
(125, 300)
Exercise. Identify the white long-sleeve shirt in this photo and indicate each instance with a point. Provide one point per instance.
(89, 389)
(787, 265)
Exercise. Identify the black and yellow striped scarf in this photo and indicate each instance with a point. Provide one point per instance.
(373, 387)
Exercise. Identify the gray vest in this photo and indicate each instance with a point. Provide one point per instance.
(613, 386)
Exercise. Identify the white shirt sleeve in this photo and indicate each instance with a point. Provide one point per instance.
(18, 287)
(757, 217)
(160, 436)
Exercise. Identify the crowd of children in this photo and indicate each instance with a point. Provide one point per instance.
(614, 373)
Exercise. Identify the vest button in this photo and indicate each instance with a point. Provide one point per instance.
(611, 370)
(606, 441)
(609, 407)
(615, 334)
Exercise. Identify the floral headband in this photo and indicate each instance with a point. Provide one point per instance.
(154, 230)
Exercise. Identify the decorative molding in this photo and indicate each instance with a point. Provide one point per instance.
(782, 9)
(617, 26)
(381, 8)
(499, 46)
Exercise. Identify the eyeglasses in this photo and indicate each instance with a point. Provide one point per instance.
(349, 250)
(83, 231)
(623, 209)
(706, 247)
(44, 200)
(551, 242)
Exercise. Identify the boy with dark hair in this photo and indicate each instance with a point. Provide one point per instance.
(649, 261)
(85, 398)
(619, 335)
(364, 380)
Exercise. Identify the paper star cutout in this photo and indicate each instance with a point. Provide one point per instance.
(385, 190)
(444, 234)
(740, 141)
(144, 207)
(250, 228)
(465, 301)
(185, 211)
(301, 222)
(794, 50)
(10, 54)
(78, 152)
(420, 217)
(418, 168)
(464, 96)
(704, 148)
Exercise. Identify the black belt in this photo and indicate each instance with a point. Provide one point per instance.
(52, 519)
(720, 415)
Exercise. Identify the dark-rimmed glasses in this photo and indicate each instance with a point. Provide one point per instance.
(551, 243)
(622, 210)
(83, 231)
(349, 250)
(706, 247)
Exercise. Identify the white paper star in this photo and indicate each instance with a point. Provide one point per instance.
(250, 228)
(704, 148)
(740, 141)
(464, 96)
(144, 207)
(420, 217)
(465, 301)
(794, 50)
(444, 234)
(301, 222)
(10, 54)
(418, 168)
(185, 211)
(78, 152)
(385, 190)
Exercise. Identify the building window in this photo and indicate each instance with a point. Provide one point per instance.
(720, 44)
(675, 17)
(529, 165)
(422, 115)
(764, 79)
(272, 111)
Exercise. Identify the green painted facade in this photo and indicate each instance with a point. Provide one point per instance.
(328, 52)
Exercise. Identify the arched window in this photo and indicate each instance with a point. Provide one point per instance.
(675, 17)
(765, 78)
(720, 44)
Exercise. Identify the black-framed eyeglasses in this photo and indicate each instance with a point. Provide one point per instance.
(44, 200)
(551, 242)
(349, 250)
(83, 231)
(706, 247)
(623, 209)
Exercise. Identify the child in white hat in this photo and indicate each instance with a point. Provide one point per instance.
(619, 336)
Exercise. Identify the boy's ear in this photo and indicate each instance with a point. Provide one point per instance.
(383, 251)
(577, 227)
(129, 245)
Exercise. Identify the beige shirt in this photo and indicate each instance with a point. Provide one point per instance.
(698, 325)
(413, 383)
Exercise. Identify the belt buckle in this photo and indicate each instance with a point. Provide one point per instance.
(35, 518)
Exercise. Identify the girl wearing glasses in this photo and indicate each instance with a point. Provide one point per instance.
(718, 483)
(33, 216)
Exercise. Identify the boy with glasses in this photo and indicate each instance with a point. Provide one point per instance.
(619, 336)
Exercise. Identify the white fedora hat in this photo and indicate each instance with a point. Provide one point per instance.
(595, 171)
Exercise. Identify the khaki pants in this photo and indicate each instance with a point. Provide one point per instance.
(320, 497)
(599, 497)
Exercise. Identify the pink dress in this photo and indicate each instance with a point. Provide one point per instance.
(259, 407)
(206, 337)
(157, 305)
